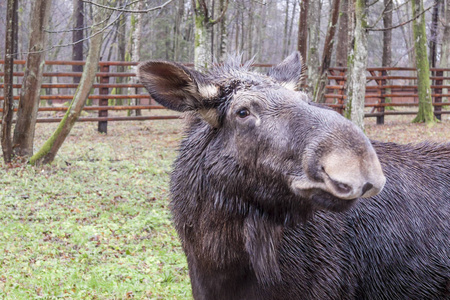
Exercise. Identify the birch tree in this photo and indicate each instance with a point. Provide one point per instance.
(357, 64)
(425, 113)
(31, 84)
(203, 32)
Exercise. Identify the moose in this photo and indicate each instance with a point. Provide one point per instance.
(276, 197)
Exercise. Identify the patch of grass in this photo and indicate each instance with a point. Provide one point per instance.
(95, 224)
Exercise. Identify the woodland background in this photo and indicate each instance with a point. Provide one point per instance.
(264, 29)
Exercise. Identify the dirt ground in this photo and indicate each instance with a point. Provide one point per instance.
(399, 129)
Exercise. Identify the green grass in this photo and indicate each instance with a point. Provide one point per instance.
(95, 224)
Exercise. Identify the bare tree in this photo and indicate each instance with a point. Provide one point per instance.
(50, 148)
(302, 40)
(319, 87)
(386, 59)
(357, 66)
(31, 84)
(77, 36)
(425, 113)
(315, 8)
(203, 32)
(445, 49)
(434, 35)
(8, 104)
(342, 38)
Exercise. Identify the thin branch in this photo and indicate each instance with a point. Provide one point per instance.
(222, 14)
(129, 10)
(381, 15)
(121, 12)
(404, 23)
(373, 3)
(79, 41)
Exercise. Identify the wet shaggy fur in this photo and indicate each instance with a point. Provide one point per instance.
(245, 233)
(395, 245)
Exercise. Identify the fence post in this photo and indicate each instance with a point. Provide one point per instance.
(103, 125)
(438, 90)
(381, 83)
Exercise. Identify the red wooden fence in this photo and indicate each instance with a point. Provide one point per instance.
(395, 84)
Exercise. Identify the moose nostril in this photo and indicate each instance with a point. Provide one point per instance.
(343, 188)
(366, 187)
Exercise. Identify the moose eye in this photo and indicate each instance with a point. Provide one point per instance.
(243, 113)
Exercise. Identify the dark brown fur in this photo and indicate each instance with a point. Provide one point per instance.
(248, 234)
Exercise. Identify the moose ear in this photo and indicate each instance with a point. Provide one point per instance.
(289, 72)
(175, 86)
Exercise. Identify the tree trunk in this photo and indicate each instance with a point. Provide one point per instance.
(121, 51)
(314, 40)
(223, 35)
(32, 80)
(445, 49)
(77, 36)
(250, 30)
(357, 67)
(203, 32)
(202, 48)
(425, 113)
(291, 25)
(8, 104)
(320, 85)
(434, 35)
(136, 55)
(285, 31)
(177, 30)
(302, 40)
(386, 59)
(342, 38)
(50, 148)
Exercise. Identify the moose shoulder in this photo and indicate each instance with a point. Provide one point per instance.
(274, 197)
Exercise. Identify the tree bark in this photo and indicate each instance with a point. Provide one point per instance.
(445, 50)
(77, 36)
(425, 113)
(342, 38)
(51, 147)
(357, 67)
(314, 39)
(285, 31)
(203, 32)
(291, 25)
(320, 85)
(222, 34)
(8, 104)
(434, 35)
(302, 40)
(202, 47)
(386, 59)
(121, 51)
(31, 84)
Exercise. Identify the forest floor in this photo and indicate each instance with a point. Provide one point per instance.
(96, 225)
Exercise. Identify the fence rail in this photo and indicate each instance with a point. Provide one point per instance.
(386, 87)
